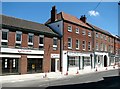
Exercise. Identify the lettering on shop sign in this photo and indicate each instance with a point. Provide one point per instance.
(21, 51)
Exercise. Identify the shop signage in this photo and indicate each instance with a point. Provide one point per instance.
(21, 51)
(55, 55)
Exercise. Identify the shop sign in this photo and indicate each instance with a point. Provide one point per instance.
(55, 55)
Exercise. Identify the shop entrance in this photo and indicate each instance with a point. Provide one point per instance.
(105, 61)
(34, 65)
(52, 65)
(9, 65)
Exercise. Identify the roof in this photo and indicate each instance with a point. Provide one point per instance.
(68, 17)
(29, 25)
(99, 29)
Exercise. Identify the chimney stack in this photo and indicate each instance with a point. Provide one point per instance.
(83, 18)
(53, 14)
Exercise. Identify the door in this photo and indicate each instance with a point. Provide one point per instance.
(52, 65)
(105, 61)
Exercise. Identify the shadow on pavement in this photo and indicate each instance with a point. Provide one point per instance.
(108, 83)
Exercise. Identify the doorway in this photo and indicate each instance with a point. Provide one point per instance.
(52, 65)
(105, 61)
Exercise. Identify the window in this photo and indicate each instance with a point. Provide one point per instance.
(41, 42)
(105, 47)
(89, 34)
(105, 37)
(89, 46)
(30, 40)
(83, 45)
(77, 30)
(73, 62)
(4, 37)
(96, 35)
(55, 42)
(97, 46)
(69, 43)
(83, 32)
(18, 39)
(6, 63)
(70, 28)
(101, 47)
(101, 36)
(77, 44)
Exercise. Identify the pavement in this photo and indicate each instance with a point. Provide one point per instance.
(50, 75)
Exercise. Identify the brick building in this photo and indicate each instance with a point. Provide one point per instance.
(83, 45)
(27, 47)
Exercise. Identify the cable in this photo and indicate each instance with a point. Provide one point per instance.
(94, 8)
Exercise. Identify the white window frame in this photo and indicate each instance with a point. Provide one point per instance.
(78, 44)
(42, 36)
(29, 43)
(89, 34)
(70, 43)
(97, 46)
(83, 45)
(5, 30)
(55, 46)
(19, 32)
(69, 30)
(96, 34)
(77, 30)
(89, 46)
(83, 32)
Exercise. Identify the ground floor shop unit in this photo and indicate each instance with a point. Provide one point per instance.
(74, 60)
(20, 61)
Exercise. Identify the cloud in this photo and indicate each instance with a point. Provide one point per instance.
(93, 13)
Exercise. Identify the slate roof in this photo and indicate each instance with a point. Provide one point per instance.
(29, 25)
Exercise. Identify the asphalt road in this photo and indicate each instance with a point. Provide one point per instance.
(96, 79)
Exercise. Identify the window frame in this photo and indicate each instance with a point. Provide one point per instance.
(84, 45)
(55, 45)
(83, 32)
(70, 43)
(77, 48)
(30, 34)
(69, 30)
(89, 34)
(89, 46)
(77, 31)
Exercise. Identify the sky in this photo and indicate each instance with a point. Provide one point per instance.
(104, 16)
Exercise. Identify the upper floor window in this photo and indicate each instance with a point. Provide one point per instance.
(105, 47)
(69, 43)
(18, 39)
(89, 46)
(4, 41)
(89, 34)
(105, 37)
(70, 28)
(97, 47)
(30, 40)
(77, 30)
(96, 35)
(101, 36)
(41, 42)
(77, 44)
(83, 45)
(55, 42)
(83, 32)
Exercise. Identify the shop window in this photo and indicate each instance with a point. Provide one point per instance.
(87, 61)
(69, 43)
(6, 63)
(18, 39)
(55, 42)
(69, 28)
(73, 62)
(13, 63)
(4, 40)
(41, 42)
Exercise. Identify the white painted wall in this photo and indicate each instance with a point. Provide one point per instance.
(64, 62)
(55, 27)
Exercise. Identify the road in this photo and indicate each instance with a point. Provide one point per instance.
(92, 79)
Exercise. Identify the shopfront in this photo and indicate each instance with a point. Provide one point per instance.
(55, 62)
